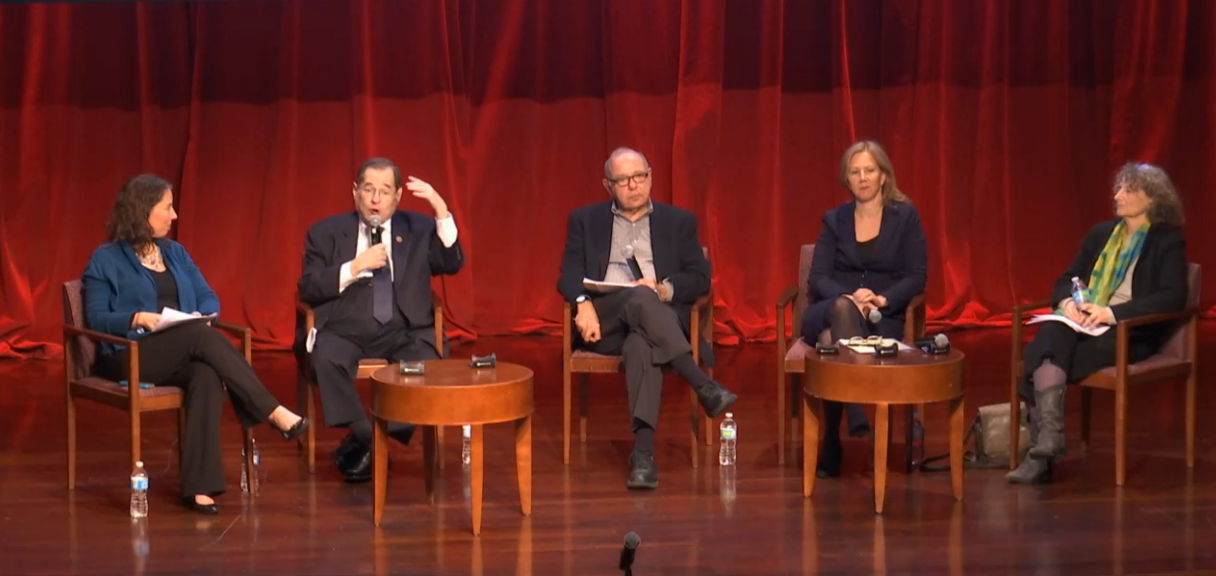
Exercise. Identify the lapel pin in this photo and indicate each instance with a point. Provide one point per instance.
(398, 239)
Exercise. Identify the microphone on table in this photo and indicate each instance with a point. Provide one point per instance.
(632, 541)
(374, 231)
(939, 344)
(627, 252)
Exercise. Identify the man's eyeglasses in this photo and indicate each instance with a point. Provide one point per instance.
(638, 179)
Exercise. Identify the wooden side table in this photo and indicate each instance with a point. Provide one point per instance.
(910, 377)
(453, 394)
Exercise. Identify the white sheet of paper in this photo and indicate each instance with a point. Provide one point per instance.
(170, 317)
(600, 287)
(867, 349)
(1095, 331)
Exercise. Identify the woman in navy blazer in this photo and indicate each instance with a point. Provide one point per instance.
(139, 272)
(869, 263)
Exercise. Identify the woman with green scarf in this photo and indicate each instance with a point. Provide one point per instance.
(1134, 266)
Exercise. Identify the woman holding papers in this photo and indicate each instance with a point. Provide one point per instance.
(1133, 266)
(869, 263)
(126, 282)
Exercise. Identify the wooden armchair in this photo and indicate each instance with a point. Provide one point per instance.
(79, 357)
(306, 379)
(1177, 359)
(790, 356)
(584, 363)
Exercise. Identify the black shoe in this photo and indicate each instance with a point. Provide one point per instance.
(209, 509)
(295, 431)
(645, 474)
(715, 399)
(830, 456)
(347, 452)
(859, 426)
(361, 470)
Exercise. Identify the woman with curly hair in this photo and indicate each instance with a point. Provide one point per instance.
(1134, 265)
(127, 283)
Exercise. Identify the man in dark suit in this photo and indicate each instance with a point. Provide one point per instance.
(367, 275)
(632, 239)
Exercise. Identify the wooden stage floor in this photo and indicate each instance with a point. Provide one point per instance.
(697, 522)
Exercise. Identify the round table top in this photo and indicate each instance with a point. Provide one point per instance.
(452, 393)
(911, 376)
(453, 373)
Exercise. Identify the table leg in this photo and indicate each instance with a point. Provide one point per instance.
(379, 467)
(523, 462)
(477, 443)
(882, 417)
(810, 443)
(429, 448)
(956, 447)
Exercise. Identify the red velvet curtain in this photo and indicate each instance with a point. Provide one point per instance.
(1005, 120)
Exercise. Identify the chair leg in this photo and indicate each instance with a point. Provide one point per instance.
(706, 420)
(694, 419)
(311, 433)
(250, 470)
(1120, 433)
(795, 402)
(1086, 417)
(565, 415)
(71, 431)
(1190, 419)
(181, 437)
(781, 392)
(583, 393)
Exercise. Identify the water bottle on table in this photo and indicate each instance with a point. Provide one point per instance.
(139, 491)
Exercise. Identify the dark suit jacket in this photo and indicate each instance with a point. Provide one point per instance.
(674, 242)
(898, 271)
(418, 255)
(116, 286)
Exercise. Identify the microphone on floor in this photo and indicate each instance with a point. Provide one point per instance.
(632, 541)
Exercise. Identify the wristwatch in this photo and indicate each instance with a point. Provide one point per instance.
(581, 298)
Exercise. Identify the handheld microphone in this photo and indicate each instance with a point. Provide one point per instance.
(632, 541)
(374, 231)
(874, 316)
(939, 344)
(627, 252)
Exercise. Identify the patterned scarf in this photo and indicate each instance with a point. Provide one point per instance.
(1112, 264)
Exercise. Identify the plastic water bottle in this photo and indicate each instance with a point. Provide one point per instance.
(728, 433)
(1080, 293)
(257, 462)
(466, 451)
(139, 491)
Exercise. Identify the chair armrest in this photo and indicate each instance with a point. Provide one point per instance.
(310, 318)
(566, 336)
(245, 333)
(97, 336)
(787, 296)
(914, 319)
(1022, 309)
(1185, 314)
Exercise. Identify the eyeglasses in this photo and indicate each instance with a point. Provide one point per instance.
(858, 340)
(638, 179)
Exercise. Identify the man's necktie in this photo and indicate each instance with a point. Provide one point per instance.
(382, 288)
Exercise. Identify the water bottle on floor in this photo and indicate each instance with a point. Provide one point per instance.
(257, 462)
(466, 452)
(728, 433)
(139, 491)
(1080, 293)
